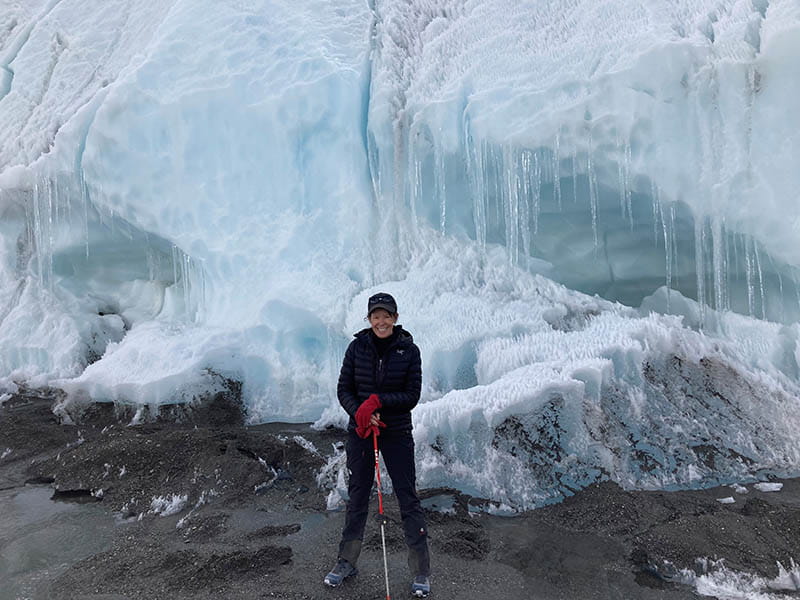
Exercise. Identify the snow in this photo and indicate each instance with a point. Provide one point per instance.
(198, 193)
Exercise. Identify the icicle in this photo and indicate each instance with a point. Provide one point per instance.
(674, 243)
(478, 179)
(574, 174)
(416, 188)
(439, 177)
(718, 262)
(54, 204)
(699, 241)
(510, 204)
(623, 204)
(84, 193)
(736, 258)
(525, 180)
(201, 295)
(656, 203)
(751, 302)
(592, 190)
(796, 289)
(151, 268)
(374, 162)
(537, 192)
(29, 237)
(781, 309)
(557, 169)
(496, 164)
(51, 243)
(727, 245)
(69, 207)
(175, 261)
(760, 281)
(185, 270)
(627, 184)
(38, 234)
(666, 227)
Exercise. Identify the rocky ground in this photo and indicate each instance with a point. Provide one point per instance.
(250, 518)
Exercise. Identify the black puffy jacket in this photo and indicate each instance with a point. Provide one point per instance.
(396, 378)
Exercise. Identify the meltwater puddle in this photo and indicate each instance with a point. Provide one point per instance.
(41, 538)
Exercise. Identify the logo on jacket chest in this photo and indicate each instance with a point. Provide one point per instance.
(400, 351)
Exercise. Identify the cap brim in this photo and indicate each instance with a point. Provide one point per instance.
(390, 309)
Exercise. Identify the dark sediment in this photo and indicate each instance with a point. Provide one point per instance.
(252, 520)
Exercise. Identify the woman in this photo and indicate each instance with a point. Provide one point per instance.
(379, 384)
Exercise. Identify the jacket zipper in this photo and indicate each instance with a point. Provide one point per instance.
(380, 363)
(380, 373)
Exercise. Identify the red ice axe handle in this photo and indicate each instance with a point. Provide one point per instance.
(380, 509)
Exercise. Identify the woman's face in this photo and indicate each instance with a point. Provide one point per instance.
(382, 322)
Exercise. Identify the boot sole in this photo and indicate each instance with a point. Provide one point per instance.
(333, 585)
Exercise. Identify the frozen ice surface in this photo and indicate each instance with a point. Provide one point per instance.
(768, 487)
(721, 582)
(333, 476)
(583, 232)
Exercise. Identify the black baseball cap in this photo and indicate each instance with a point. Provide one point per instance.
(384, 301)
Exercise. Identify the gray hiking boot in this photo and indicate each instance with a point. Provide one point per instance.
(341, 571)
(421, 586)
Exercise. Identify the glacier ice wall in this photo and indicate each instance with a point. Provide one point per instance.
(127, 216)
(577, 147)
(197, 192)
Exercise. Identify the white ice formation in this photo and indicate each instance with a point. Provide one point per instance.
(166, 506)
(718, 581)
(768, 487)
(588, 212)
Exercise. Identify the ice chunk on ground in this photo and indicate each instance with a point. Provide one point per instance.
(768, 487)
(168, 505)
(722, 582)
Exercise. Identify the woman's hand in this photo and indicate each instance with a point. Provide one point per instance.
(375, 420)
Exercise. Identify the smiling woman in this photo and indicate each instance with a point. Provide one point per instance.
(379, 385)
(382, 315)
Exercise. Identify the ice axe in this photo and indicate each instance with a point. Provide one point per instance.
(380, 510)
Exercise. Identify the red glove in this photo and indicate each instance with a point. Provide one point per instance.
(364, 415)
(364, 412)
(367, 431)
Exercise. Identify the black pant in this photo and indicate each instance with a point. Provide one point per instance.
(397, 450)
